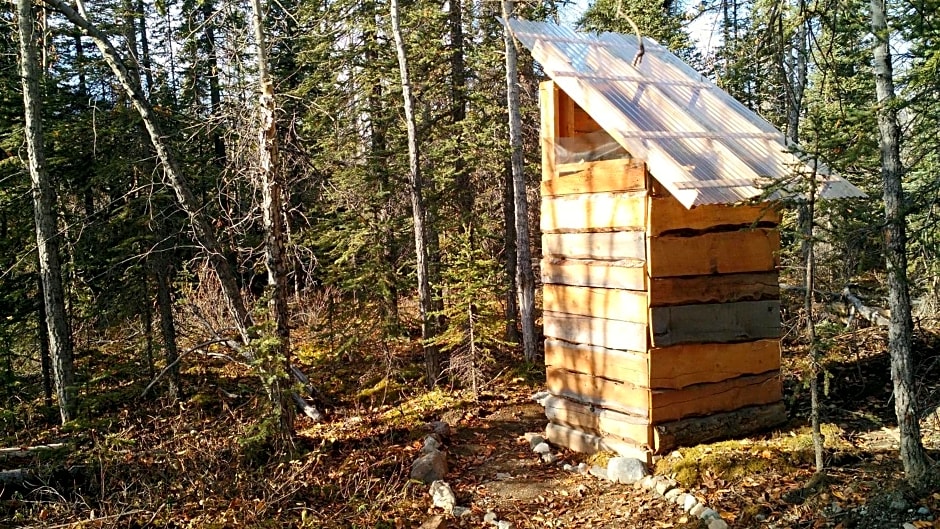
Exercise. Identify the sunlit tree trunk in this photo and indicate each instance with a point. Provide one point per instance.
(900, 330)
(60, 339)
(419, 212)
(525, 278)
(276, 358)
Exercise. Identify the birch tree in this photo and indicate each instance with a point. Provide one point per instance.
(60, 340)
(900, 330)
(276, 357)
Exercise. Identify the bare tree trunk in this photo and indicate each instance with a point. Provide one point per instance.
(509, 242)
(202, 229)
(900, 331)
(215, 92)
(810, 283)
(458, 113)
(45, 358)
(145, 61)
(60, 339)
(167, 326)
(276, 361)
(525, 279)
(148, 323)
(419, 213)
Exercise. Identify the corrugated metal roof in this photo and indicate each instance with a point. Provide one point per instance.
(699, 142)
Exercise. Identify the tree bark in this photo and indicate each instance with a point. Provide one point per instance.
(525, 279)
(900, 331)
(458, 113)
(60, 339)
(276, 360)
(45, 357)
(202, 229)
(509, 242)
(419, 212)
(215, 91)
(167, 326)
(145, 61)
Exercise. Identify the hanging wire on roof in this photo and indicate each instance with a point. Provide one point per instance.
(642, 50)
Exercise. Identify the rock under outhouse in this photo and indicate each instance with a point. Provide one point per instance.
(661, 297)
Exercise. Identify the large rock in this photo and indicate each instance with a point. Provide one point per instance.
(626, 470)
(442, 496)
(430, 467)
(431, 444)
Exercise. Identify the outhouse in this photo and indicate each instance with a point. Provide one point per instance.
(660, 283)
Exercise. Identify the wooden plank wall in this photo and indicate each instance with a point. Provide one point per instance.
(656, 317)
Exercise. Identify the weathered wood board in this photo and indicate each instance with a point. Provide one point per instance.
(730, 252)
(666, 214)
(589, 444)
(610, 245)
(609, 363)
(612, 334)
(685, 365)
(597, 177)
(598, 421)
(697, 430)
(627, 274)
(666, 405)
(594, 211)
(549, 94)
(607, 303)
(714, 322)
(625, 397)
(722, 288)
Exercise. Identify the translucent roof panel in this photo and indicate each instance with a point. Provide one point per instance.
(698, 141)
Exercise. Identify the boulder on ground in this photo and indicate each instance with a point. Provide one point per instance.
(430, 467)
(626, 470)
(442, 496)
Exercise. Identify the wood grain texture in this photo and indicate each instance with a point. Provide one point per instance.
(726, 425)
(666, 405)
(598, 421)
(608, 246)
(582, 123)
(730, 252)
(612, 334)
(628, 274)
(586, 443)
(720, 288)
(614, 364)
(606, 303)
(685, 365)
(715, 322)
(594, 212)
(668, 214)
(548, 101)
(624, 397)
(597, 177)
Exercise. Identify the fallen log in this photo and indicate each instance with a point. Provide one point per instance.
(27, 451)
(873, 315)
(856, 307)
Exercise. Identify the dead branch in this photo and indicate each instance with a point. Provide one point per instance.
(27, 451)
(873, 315)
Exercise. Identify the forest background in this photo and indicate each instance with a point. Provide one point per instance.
(313, 192)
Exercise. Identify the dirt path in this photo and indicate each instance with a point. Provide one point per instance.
(494, 469)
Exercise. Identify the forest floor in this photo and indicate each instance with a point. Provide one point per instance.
(205, 460)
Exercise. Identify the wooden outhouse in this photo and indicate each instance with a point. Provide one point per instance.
(660, 284)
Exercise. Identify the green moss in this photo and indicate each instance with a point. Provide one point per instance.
(730, 460)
